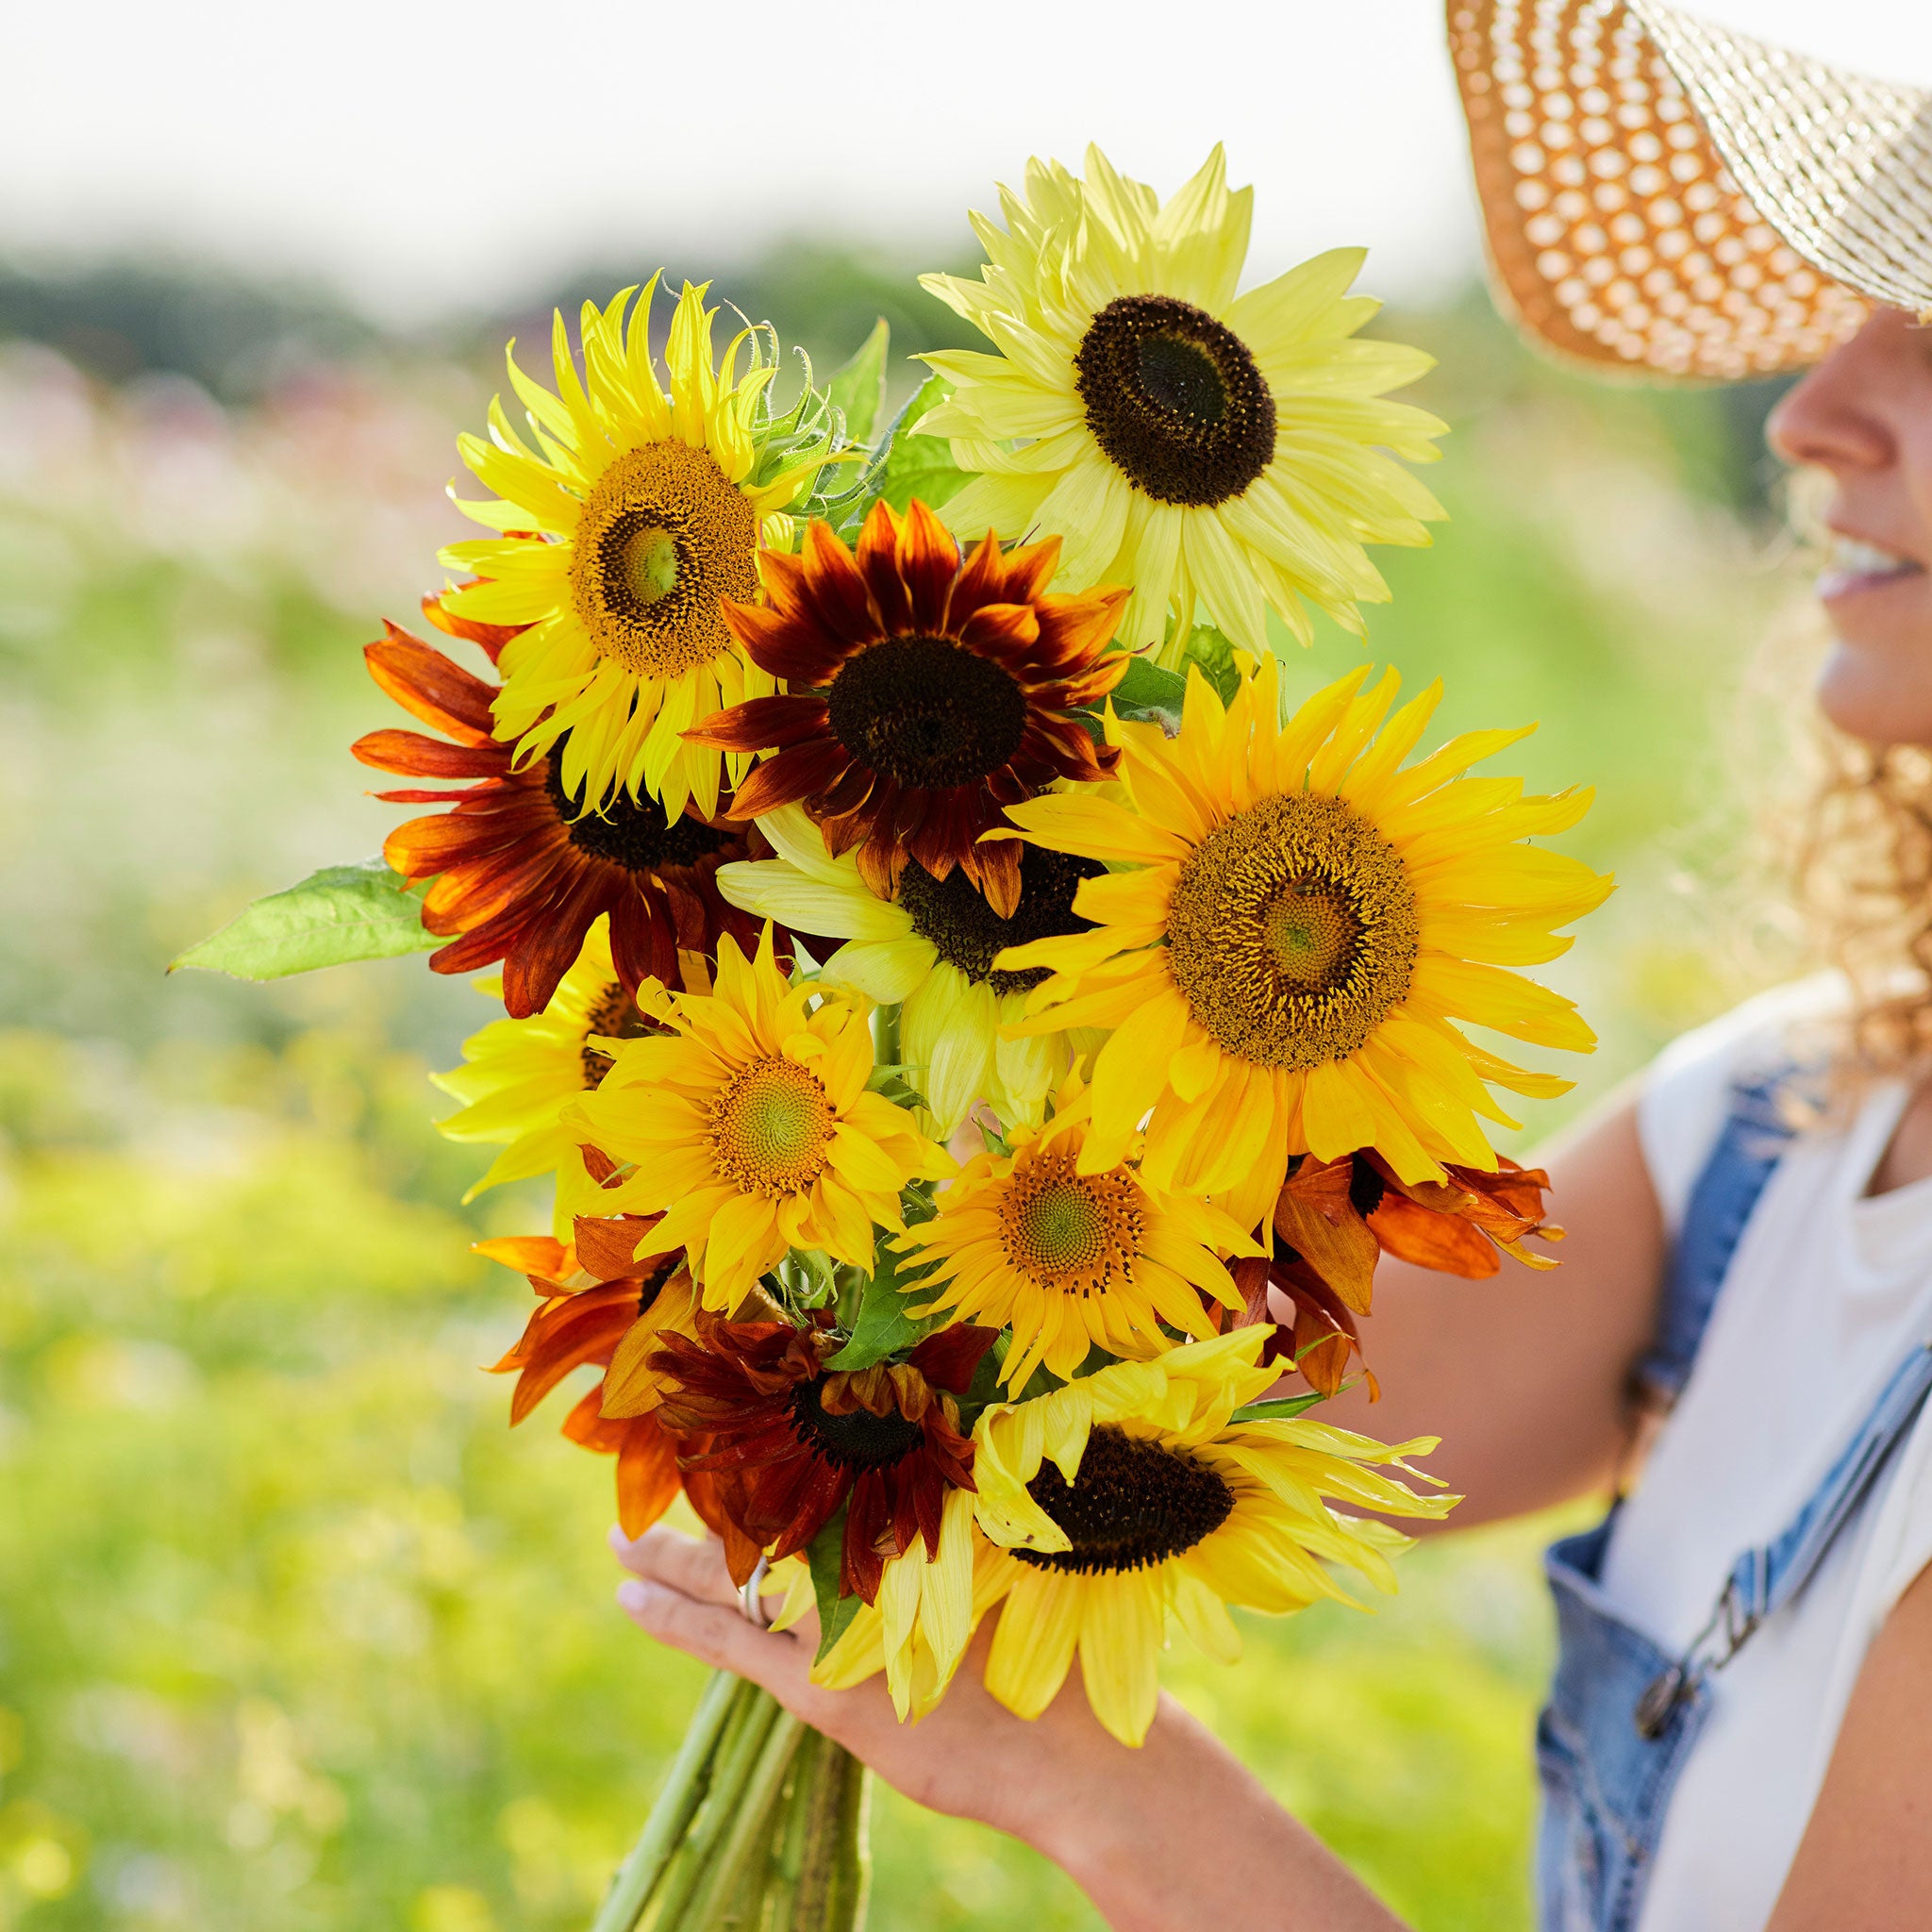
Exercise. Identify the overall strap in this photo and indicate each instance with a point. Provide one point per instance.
(1754, 1137)
(1764, 1579)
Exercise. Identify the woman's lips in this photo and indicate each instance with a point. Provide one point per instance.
(1854, 567)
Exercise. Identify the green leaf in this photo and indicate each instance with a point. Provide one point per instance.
(824, 1557)
(1150, 695)
(1213, 650)
(859, 388)
(885, 1326)
(1276, 1410)
(341, 913)
(916, 465)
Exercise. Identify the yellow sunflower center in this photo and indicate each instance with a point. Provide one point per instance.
(1135, 1503)
(770, 1126)
(662, 536)
(1293, 931)
(1071, 1233)
(1174, 400)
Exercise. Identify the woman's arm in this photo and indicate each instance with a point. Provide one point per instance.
(1175, 1836)
(1866, 1857)
(1523, 1375)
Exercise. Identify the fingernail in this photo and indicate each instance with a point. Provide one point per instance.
(635, 1596)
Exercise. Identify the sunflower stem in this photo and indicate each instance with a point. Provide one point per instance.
(744, 1854)
(677, 1802)
(853, 1867)
(692, 1870)
(834, 1868)
(885, 1036)
(795, 1810)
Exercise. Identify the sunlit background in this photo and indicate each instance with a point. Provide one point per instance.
(294, 1635)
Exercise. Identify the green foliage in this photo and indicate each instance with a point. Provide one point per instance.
(1150, 695)
(885, 1324)
(860, 387)
(824, 1557)
(913, 465)
(335, 917)
(1278, 1410)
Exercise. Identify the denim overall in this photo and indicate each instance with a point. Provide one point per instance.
(1624, 1716)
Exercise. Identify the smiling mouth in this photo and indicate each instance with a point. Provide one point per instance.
(1854, 565)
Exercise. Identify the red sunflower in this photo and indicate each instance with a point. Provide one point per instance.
(925, 695)
(783, 1441)
(523, 870)
(602, 1307)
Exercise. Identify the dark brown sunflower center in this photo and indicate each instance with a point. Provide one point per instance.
(614, 1016)
(1135, 1503)
(952, 912)
(1293, 931)
(926, 712)
(860, 1440)
(629, 832)
(1174, 400)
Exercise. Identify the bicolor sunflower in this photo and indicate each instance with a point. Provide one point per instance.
(1301, 930)
(748, 1124)
(518, 1077)
(1135, 1494)
(521, 868)
(604, 1307)
(786, 1441)
(636, 510)
(930, 952)
(1072, 1262)
(924, 693)
(1227, 455)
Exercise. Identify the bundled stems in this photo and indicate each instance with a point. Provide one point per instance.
(761, 1827)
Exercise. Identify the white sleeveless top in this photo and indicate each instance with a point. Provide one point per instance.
(1826, 1293)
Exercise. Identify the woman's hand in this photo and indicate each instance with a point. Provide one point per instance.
(971, 1757)
(1175, 1837)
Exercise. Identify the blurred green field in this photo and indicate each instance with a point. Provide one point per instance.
(294, 1635)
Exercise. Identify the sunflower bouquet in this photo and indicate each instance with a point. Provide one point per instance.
(980, 1036)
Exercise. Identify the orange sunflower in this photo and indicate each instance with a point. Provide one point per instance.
(925, 693)
(602, 1307)
(522, 871)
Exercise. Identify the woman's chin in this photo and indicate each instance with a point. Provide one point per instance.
(1879, 689)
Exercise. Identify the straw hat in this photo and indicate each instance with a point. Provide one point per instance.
(1664, 198)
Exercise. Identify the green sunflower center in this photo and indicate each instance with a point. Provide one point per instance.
(613, 1016)
(1293, 931)
(663, 535)
(855, 1439)
(965, 931)
(1067, 1232)
(626, 831)
(1174, 400)
(769, 1128)
(926, 712)
(1134, 1503)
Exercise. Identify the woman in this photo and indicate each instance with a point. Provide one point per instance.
(1738, 1734)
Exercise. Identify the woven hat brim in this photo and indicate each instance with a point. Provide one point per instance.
(1668, 199)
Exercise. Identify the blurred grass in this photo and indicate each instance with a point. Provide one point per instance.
(293, 1633)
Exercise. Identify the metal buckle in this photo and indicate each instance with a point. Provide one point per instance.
(1671, 1686)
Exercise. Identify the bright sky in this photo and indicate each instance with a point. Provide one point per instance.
(435, 156)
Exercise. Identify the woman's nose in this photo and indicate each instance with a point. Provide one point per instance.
(1835, 417)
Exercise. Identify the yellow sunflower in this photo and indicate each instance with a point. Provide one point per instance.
(1301, 928)
(518, 1077)
(1072, 1262)
(930, 952)
(1227, 455)
(749, 1126)
(1131, 1494)
(637, 508)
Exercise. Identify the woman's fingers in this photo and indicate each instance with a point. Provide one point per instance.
(716, 1635)
(694, 1567)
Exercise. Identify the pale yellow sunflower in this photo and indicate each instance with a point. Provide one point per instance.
(1132, 1495)
(518, 1077)
(749, 1126)
(1227, 455)
(928, 951)
(637, 509)
(1301, 929)
(1072, 1262)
